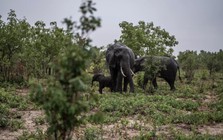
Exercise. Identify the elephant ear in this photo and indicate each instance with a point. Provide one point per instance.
(140, 61)
(110, 58)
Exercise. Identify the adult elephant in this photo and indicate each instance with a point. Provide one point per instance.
(166, 68)
(120, 60)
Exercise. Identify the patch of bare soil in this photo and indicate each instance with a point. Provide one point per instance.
(126, 128)
(29, 125)
(214, 129)
(29, 119)
(210, 97)
(211, 129)
(22, 92)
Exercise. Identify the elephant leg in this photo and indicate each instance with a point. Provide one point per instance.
(145, 81)
(171, 83)
(154, 83)
(172, 87)
(111, 89)
(128, 79)
(119, 82)
(131, 86)
(125, 84)
(113, 79)
(100, 88)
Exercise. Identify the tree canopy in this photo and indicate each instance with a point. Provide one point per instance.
(147, 39)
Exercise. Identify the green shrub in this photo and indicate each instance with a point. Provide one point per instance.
(16, 124)
(37, 135)
(193, 118)
(92, 133)
(10, 100)
(63, 98)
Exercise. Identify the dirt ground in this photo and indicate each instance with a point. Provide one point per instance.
(112, 131)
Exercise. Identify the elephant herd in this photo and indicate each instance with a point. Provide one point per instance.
(122, 64)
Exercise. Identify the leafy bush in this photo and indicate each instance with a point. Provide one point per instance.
(189, 63)
(4, 113)
(92, 133)
(62, 97)
(10, 100)
(37, 135)
(193, 118)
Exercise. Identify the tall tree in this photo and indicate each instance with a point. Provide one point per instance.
(147, 39)
(12, 38)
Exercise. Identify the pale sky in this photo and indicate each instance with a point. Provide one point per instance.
(196, 24)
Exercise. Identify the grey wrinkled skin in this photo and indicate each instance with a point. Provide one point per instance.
(104, 81)
(168, 70)
(120, 56)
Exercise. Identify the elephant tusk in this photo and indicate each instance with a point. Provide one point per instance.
(132, 72)
(122, 72)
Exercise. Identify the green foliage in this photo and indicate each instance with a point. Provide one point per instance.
(189, 63)
(62, 97)
(146, 136)
(37, 135)
(159, 108)
(197, 137)
(151, 67)
(139, 79)
(145, 38)
(40, 120)
(212, 61)
(92, 133)
(98, 61)
(12, 100)
(178, 115)
(8, 101)
(44, 43)
(87, 23)
(27, 50)
(12, 41)
(187, 105)
(4, 112)
(199, 118)
(36, 51)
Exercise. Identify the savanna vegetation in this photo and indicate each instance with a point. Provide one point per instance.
(45, 79)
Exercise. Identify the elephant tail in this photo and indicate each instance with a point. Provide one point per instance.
(178, 68)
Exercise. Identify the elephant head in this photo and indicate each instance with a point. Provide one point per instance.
(96, 77)
(120, 60)
(139, 64)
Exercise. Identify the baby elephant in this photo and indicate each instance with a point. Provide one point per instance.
(104, 81)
